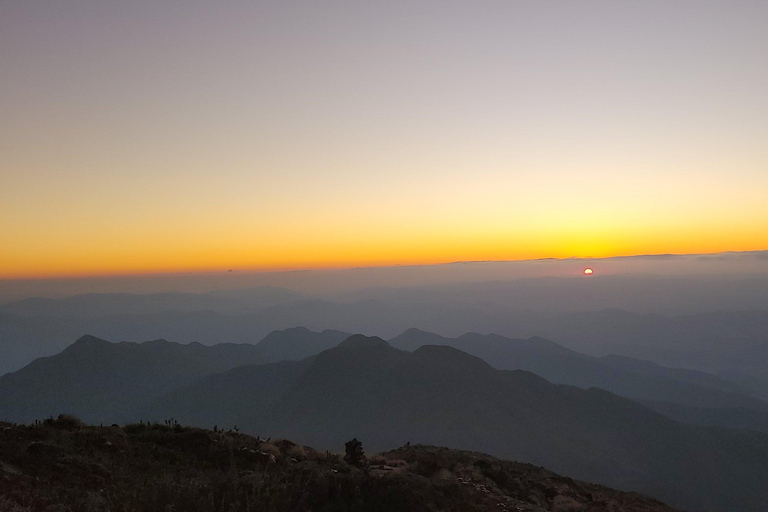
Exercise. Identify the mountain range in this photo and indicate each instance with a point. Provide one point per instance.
(106, 382)
(367, 389)
(713, 324)
(688, 395)
(436, 394)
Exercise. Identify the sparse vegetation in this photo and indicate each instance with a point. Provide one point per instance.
(62, 465)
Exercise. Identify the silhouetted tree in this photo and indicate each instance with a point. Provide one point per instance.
(354, 454)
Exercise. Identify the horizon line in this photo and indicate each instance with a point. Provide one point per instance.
(251, 271)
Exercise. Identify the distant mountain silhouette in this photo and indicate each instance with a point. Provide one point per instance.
(657, 387)
(631, 378)
(297, 343)
(40, 327)
(654, 370)
(732, 344)
(713, 342)
(101, 381)
(24, 338)
(571, 312)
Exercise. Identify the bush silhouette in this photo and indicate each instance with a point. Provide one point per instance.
(65, 422)
(354, 454)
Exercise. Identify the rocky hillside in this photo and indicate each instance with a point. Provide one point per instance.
(63, 465)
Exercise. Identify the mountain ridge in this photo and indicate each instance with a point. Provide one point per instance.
(434, 395)
(392, 396)
(635, 379)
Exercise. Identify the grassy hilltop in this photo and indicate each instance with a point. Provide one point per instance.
(64, 465)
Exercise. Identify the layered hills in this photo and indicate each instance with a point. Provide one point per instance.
(385, 396)
(689, 395)
(716, 325)
(364, 388)
(101, 381)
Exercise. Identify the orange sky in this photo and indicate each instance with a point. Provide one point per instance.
(152, 139)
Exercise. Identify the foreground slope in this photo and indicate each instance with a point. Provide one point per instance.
(64, 465)
(439, 395)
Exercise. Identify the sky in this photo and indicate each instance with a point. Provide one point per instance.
(169, 136)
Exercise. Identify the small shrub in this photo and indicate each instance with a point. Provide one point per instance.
(65, 422)
(353, 453)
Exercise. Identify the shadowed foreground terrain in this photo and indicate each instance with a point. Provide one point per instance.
(62, 465)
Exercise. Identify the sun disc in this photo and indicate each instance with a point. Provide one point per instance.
(588, 271)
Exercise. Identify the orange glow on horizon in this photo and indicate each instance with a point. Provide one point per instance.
(255, 144)
(100, 265)
(414, 224)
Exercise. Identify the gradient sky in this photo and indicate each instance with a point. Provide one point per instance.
(150, 136)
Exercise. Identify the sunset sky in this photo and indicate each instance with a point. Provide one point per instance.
(153, 136)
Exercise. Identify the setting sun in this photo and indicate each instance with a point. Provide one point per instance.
(588, 271)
